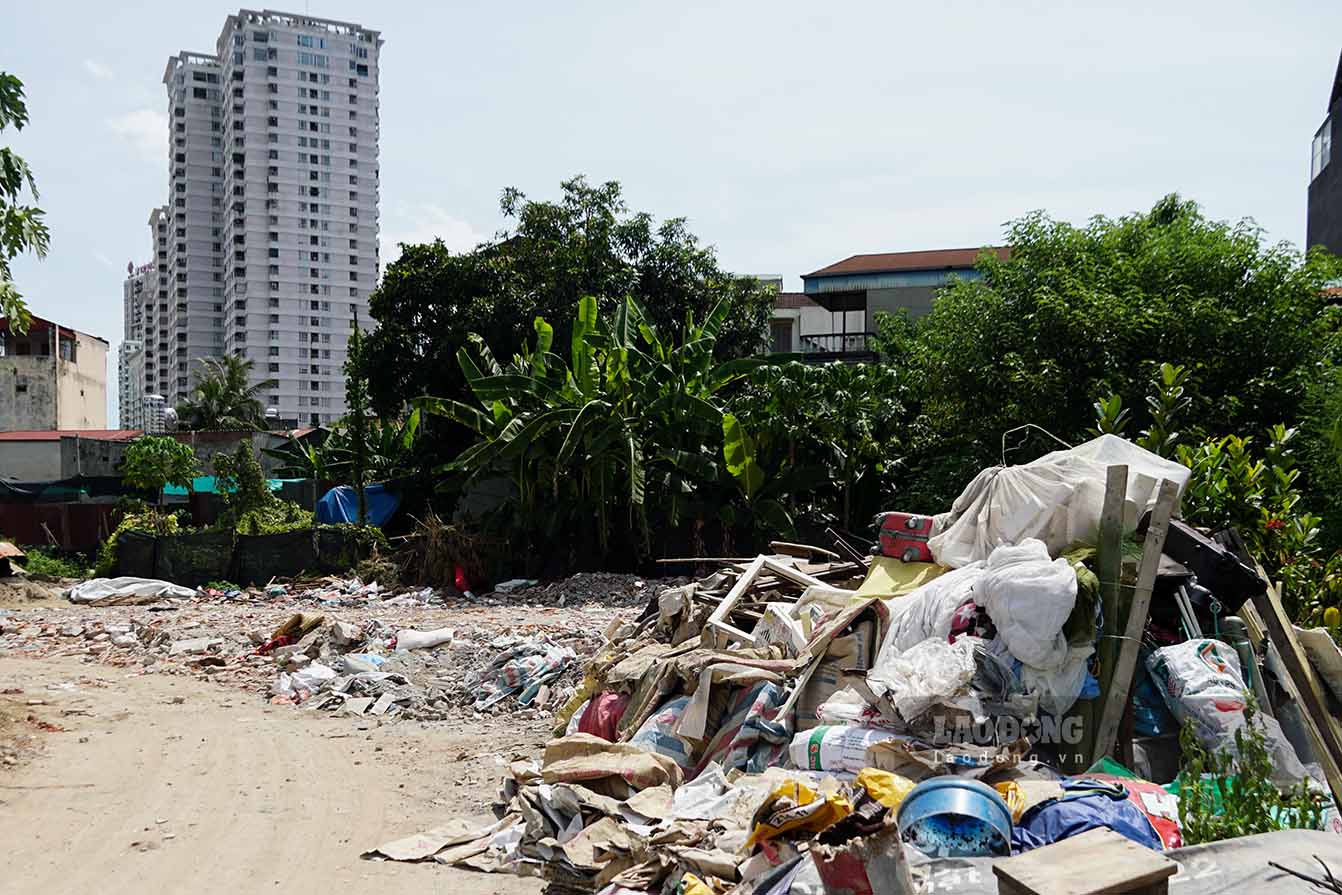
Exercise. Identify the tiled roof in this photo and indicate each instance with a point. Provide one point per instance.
(936, 259)
(58, 434)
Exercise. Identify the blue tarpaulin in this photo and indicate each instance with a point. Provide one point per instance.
(341, 504)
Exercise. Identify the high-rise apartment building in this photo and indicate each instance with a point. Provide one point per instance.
(143, 358)
(269, 242)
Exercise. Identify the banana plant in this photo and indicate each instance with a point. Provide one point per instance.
(630, 422)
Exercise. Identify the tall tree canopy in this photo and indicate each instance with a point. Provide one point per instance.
(1077, 313)
(555, 252)
(22, 228)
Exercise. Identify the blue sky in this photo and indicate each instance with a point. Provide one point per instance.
(790, 134)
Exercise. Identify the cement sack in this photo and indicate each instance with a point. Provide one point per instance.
(930, 673)
(1057, 499)
(1029, 597)
(112, 591)
(836, 749)
(1201, 682)
(927, 611)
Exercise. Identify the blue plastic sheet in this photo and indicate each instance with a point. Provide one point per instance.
(341, 504)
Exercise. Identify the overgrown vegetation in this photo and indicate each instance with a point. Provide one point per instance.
(57, 564)
(249, 505)
(153, 462)
(585, 243)
(1229, 793)
(618, 445)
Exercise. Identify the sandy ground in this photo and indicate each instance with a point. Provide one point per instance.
(160, 784)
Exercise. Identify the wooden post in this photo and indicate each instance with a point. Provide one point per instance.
(1323, 728)
(1120, 683)
(1109, 566)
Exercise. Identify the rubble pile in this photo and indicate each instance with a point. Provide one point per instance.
(798, 723)
(342, 645)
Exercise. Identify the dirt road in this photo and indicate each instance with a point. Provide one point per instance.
(161, 784)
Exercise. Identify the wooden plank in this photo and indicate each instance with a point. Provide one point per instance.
(1109, 569)
(1120, 683)
(1096, 862)
(718, 620)
(1309, 692)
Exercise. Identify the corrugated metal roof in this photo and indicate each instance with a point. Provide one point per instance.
(58, 434)
(935, 259)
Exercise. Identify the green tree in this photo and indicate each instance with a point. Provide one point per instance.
(153, 462)
(225, 398)
(356, 402)
(1080, 312)
(22, 228)
(249, 505)
(554, 253)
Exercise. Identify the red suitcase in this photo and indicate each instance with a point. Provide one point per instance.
(904, 536)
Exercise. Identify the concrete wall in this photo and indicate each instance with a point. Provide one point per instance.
(27, 393)
(30, 461)
(82, 387)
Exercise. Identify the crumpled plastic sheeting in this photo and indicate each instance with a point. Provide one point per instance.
(1057, 499)
(127, 589)
(931, 672)
(928, 611)
(1029, 597)
(522, 669)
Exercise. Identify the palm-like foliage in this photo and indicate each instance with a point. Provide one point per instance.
(630, 424)
(225, 398)
(389, 452)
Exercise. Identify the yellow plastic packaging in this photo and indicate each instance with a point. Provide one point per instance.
(794, 807)
(887, 788)
(1014, 796)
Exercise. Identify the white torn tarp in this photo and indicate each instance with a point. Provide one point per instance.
(1057, 499)
(126, 590)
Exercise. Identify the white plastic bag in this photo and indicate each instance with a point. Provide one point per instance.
(932, 672)
(410, 639)
(311, 677)
(1028, 597)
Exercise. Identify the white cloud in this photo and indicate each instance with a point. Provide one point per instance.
(146, 130)
(98, 70)
(424, 222)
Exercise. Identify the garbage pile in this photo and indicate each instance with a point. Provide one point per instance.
(799, 722)
(396, 656)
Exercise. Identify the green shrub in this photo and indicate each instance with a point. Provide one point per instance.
(149, 522)
(1224, 797)
(43, 561)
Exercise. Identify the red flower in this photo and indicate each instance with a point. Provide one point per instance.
(1275, 524)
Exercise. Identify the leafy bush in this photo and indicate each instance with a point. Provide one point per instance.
(1224, 797)
(150, 522)
(250, 507)
(44, 561)
(155, 461)
(831, 433)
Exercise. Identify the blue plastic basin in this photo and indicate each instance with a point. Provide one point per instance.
(957, 818)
